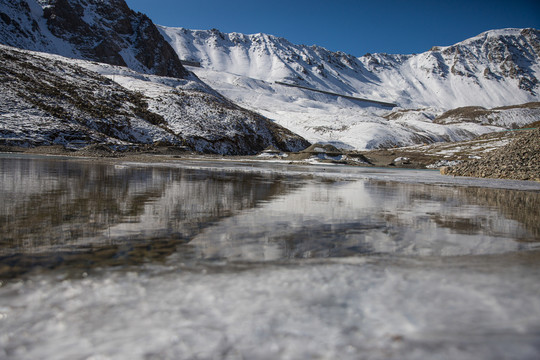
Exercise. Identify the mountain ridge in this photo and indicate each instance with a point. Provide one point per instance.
(410, 92)
(55, 54)
(496, 68)
(509, 56)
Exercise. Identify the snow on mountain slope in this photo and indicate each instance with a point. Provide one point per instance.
(48, 99)
(496, 68)
(107, 31)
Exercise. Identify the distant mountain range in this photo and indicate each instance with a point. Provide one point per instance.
(496, 68)
(148, 96)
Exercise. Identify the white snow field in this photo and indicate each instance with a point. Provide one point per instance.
(476, 72)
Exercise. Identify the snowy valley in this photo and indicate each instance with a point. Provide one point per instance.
(239, 94)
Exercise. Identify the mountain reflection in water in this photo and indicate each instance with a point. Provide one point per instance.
(91, 213)
(81, 214)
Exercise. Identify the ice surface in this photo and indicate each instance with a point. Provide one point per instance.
(372, 309)
(281, 262)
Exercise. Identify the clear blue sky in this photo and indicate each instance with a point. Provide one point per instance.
(354, 27)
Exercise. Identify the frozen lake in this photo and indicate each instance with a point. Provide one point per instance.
(225, 260)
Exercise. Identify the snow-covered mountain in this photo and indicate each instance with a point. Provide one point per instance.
(48, 99)
(113, 79)
(413, 93)
(106, 31)
(496, 68)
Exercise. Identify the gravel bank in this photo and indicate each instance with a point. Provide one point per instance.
(519, 160)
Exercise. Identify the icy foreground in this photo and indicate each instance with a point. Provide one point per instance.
(494, 69)
(350, 309)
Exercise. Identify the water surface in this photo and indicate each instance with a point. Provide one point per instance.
(225, 260)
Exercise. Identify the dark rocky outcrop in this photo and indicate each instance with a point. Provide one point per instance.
(105, 31)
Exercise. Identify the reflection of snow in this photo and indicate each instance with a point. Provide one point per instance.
(362, 216)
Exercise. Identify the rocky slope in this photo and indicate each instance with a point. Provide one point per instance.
(512, 117)
(106, 31)
(518, 160)
(47, 102)
(47, 99)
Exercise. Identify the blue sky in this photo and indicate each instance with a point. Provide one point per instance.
(354, 27)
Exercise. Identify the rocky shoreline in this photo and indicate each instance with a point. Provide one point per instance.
(519, 160)
(315, 154)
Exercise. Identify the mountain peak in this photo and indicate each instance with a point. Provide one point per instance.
(104, 31)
